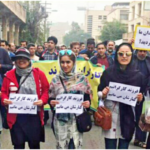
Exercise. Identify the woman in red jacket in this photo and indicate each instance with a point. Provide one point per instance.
(25, 80)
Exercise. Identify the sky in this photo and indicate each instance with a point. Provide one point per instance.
(67, 9)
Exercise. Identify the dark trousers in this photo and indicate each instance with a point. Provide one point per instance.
(46, 116)
(3, 114)
(139, 134)
(71, 144)
(32, 145)
(112, 144)
(148, 142)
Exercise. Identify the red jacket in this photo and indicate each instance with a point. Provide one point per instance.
(10, 85)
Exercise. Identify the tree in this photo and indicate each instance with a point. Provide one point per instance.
(112, 31)
(33, 30)
(75, 35)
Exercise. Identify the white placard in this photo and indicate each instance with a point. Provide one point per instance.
(123, 93)
(22, 104)
(69, 103)
(142, 39)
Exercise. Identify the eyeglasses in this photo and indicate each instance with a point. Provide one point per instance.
(63, 52)
(121, 54)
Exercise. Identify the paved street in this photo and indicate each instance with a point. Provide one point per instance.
(92, 139)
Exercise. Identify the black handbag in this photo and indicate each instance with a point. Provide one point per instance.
(83, 121)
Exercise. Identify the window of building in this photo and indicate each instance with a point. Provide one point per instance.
(133, 12)
(124, 15)
(132, 28)
(100, 17)
(138, 23)
(104, 17)
(139, 9)
(89, 24)
(99, 28)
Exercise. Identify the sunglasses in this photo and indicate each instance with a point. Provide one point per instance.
(63, 52)
(121, 54)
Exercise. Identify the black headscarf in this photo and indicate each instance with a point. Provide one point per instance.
(129, 76)
(126, 76)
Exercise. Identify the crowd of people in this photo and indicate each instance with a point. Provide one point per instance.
(122, 65)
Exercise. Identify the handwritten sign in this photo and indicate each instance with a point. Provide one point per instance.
(22, 104)
(69, 103)
(123, 93)
(141, 37)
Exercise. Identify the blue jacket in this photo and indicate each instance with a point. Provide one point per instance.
(85, 51)
(112, 55)
(11, 54)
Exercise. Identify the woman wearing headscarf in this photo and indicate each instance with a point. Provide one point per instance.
(25, 80)
(123, 116)
(64, 125)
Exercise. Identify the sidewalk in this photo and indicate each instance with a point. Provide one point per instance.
(92, 139)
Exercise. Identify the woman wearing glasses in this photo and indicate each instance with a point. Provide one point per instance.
(123, 116)
(64, 125)
(25, 80)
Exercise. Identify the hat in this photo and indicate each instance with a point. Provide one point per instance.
(21, 52)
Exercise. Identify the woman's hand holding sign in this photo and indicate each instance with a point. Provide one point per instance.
(140, 97)
(105, 92)
(7, 102)
(38, 103)
(86, 104)
(54, 102)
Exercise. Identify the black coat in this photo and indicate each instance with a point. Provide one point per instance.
(5, 61)
(147, 60)
(127, 118)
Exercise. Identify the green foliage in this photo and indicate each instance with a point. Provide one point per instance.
(112, 31)
(33, 31)
(75, 35)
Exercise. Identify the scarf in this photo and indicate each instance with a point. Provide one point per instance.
(29, 86)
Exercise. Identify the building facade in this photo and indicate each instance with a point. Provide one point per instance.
(12, 15)
(137, 16)
(94, 22)
(120, 12)
(95, 19)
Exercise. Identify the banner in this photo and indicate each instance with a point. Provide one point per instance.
(92, 72)
(141, 38)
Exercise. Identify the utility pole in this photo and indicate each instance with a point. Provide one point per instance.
(45, 24)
